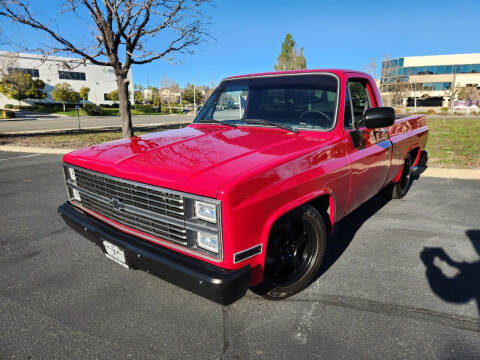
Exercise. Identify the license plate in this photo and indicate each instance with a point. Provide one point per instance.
(113, 252)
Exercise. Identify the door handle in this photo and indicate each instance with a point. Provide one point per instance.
(380, 131)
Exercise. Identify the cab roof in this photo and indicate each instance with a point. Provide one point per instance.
(338, 72)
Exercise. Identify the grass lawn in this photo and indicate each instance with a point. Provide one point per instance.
(69, 112)
(75, 140)
(452, 142)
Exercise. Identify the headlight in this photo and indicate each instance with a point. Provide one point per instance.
(207, 241)
(71, 174)
(73, 194)
(76, 195)
(206, 211)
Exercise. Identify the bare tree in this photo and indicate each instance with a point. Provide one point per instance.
(451, 94)
(415, 89)
(123, 30)
(8, 61)
(168, 83)
(371, 68)
(469, 93)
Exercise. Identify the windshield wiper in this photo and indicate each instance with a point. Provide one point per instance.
(267, 122)
(217, 122)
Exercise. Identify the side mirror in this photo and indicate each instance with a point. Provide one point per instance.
(379, 117)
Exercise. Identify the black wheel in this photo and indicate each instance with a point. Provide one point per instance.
(294, 253)
(400, 189)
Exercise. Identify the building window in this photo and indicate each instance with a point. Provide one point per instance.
(32, 72)
(107, 96)
(436, 86)
(71, 75)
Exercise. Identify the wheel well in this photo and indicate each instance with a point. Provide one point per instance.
(322, 205)
(414, 153)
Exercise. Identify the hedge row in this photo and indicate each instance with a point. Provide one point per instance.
(7, 114)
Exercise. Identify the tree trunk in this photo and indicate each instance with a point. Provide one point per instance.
(124, 105)
(63, 103)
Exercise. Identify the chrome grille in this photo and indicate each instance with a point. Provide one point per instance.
(138, 196)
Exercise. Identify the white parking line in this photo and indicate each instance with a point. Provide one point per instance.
(20, 157)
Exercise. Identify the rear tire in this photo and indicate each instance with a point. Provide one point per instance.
(400, 189)
(294, 253)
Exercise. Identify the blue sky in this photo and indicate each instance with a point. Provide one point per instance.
(339, 34)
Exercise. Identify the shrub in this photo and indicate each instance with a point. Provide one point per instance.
(444, 109)
(431, 112)
(7, 114)
(144, 108)
(115, 106)
(93, 110)
(9, 106)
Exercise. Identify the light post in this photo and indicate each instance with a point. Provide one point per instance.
(194, 101)
(77, 107)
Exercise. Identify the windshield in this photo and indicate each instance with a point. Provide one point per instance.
(294, 101)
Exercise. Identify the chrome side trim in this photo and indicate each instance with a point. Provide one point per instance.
(257, 251)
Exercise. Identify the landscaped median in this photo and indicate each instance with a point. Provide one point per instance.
(453, 143)
(76, 139)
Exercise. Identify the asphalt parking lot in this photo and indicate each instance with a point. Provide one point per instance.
(38, 122)
(401, 281)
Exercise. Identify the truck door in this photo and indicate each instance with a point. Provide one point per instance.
(369, 150)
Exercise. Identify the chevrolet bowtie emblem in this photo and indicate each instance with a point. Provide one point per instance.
(117, 204)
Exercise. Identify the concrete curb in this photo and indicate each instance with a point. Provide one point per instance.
(467, 174)
(87, 128)
(36, 150)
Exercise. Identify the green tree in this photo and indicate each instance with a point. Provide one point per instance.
(20, 86)
(138, 96)
(63, 93)
(188, 95)
(84, 91)
(113, 95)
(290, 57)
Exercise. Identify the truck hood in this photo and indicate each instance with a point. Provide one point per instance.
(197, 159)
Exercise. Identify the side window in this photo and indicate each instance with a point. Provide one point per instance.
(347, 116)
(360, 101)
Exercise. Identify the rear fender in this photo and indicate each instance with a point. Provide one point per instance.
(415, 162)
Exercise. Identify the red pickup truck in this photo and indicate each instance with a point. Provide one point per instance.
(245, 196)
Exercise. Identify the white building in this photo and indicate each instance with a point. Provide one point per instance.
(54, 70)
(429, 79)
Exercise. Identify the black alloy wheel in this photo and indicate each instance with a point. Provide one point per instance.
(294, 253)
(400, 189)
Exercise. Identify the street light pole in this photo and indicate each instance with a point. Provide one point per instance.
(78, 115)
(194, 101)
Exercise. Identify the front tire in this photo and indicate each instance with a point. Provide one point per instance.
(294, 255)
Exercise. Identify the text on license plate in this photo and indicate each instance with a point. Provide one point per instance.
(113, 252)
